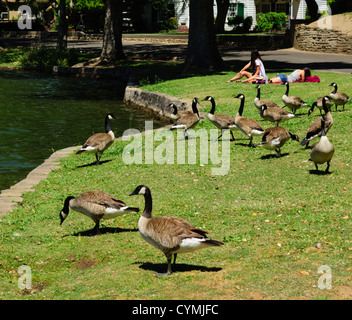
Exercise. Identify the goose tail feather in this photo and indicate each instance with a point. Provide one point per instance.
(215, 243)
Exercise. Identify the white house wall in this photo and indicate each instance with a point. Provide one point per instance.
(182, 10)
(322, 7)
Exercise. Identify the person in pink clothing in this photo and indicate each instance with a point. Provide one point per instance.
(257, 66)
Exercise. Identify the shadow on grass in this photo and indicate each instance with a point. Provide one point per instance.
(104, 230)
(273, 156)
(93, 164)
(319, 172)
(179, 267)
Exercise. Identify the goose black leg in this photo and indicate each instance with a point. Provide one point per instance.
(186, 135)
(251, 144)
(278, 153)
(168, 257)
(98, 158)
(327, 168)
(233, 138)
(96, 230)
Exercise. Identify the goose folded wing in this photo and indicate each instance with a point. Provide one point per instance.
(170, 231)
(225, 120)
(98, 139)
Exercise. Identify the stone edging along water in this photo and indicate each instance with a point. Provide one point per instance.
(149, 101)
(10, 198)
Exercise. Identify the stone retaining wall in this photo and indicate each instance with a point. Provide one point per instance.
(322, 40)
(154, 102)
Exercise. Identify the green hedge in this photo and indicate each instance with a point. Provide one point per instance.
(271, 21)
(43, 57)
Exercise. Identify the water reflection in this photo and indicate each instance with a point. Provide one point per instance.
(40, 114)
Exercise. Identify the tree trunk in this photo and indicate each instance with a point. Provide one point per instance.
(202, 51)
(62, 27)
(313, 9)
(223, 7)
(112, 39)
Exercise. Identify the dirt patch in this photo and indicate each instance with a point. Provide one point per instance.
(85, 264)
(340, 22)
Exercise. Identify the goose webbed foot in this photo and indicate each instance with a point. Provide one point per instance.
(163, 274)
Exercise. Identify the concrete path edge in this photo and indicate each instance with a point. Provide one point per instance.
(12, 197)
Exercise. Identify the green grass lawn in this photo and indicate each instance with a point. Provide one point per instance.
(279, 220)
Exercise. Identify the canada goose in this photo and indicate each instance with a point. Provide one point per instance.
(248, 126)
(97, 205)
(319, 104)
(171, 235)
(221, 121)
(292, 102)
(315, 129)
(275, 114)
(176, 114)
(339, 98)
(99, 142)
(259, 102)
(274, 138)
(188, 121)
(323, 150)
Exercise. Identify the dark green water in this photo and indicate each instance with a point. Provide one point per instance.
(40, 114)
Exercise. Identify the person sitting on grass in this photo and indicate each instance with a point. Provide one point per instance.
(298, 75)
(257, 66)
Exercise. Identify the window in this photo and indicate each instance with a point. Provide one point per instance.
(4, 16)
(232, 12)
(236, 9)
(266, 8)
(282, 7)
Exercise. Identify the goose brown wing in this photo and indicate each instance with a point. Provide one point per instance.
(101, 198)
(225, 120)
(170, 231)
(98, 140)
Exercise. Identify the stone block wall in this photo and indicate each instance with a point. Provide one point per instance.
(322, 40)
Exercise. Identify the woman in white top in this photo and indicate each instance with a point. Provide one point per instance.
(298, 75)
(257, 66)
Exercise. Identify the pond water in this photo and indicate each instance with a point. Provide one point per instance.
(40, 114)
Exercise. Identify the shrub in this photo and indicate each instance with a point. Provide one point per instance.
(271, 21)
(169, 24)
(235, 21)
(44, 57)
(247, 23)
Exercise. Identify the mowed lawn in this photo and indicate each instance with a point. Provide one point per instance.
(282, 223)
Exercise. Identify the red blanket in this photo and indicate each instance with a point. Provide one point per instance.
(312, 79)
(308, 79)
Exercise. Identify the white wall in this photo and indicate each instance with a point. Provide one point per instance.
(182, 10)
